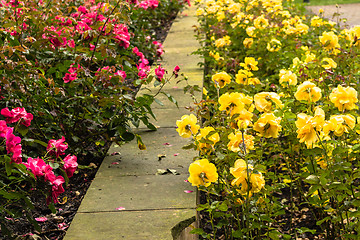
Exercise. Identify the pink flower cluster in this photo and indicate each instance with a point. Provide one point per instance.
(145, 4)
(41, 169)
(17, 115)
(72, 75)
(159, 72)
(36, 165)
(108, 72)
(143, 66)
(159, 48)
(122, 35)
(54, 35)
(13, 146)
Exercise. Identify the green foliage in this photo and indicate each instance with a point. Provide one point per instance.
(76, 66)
(298, 133)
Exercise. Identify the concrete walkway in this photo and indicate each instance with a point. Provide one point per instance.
(127, 199)
(339, 12)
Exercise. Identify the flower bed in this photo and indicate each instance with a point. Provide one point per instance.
(280, 125)
(70, 71)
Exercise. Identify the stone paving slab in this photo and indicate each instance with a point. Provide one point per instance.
(166, 118)
(184, 24)
(153, 204)
(348, 11)
(195, 77)
(153, 225)
(165, 142)
(178, 94)
(151, 192)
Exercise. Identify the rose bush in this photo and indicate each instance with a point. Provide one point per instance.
(69, 72)
(281, 95)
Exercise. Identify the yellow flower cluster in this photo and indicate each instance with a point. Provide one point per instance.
(206, 141)
(246, 180)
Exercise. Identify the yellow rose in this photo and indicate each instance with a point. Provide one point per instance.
(200, 11)
(187, 126)
(231, 103)
(236, 142)
(252, 81)
(344, 123)
(239, 168)
(257, 182)
(264, 101)
(244, 119)
(306, 130)
(221, 79)
(250, 64)
(204, 132)
(248, 42)
(309, 57)
(344, 98)
(274, 45)
(250, 31)
(308, 91)
(202, 173)
(329, 40)
(301, 28)
(268, 125)
(242, 76)
(261, 22)
(234, 8)
(328, 63)
(287, 77)
(224, 41)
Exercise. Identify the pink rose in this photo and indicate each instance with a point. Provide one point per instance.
(70, 165)
(17, 114)
(57, 147)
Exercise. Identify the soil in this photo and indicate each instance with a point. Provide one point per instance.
(54, 228)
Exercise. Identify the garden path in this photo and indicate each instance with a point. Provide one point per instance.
(127, 200)
(341, 11)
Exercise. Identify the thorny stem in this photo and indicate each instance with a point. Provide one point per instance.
(102, 30)
(162, 86)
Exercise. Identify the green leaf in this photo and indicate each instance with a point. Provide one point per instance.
(312, 179)
(128, 136)
(322, 220)
(223, 207)
(54, 165)
(52, 207)
(274, 235)
(158, 102)
(23, 130)
(189, 146)
(237, 234)
(197, 231)
(8, 166)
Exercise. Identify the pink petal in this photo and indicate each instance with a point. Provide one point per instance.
(188, 191)
(115, 163)
(186, 180)
(41, 219)
(120, 208)
(176, 154)
(175, 87)
(166, 144)
(62, 226)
